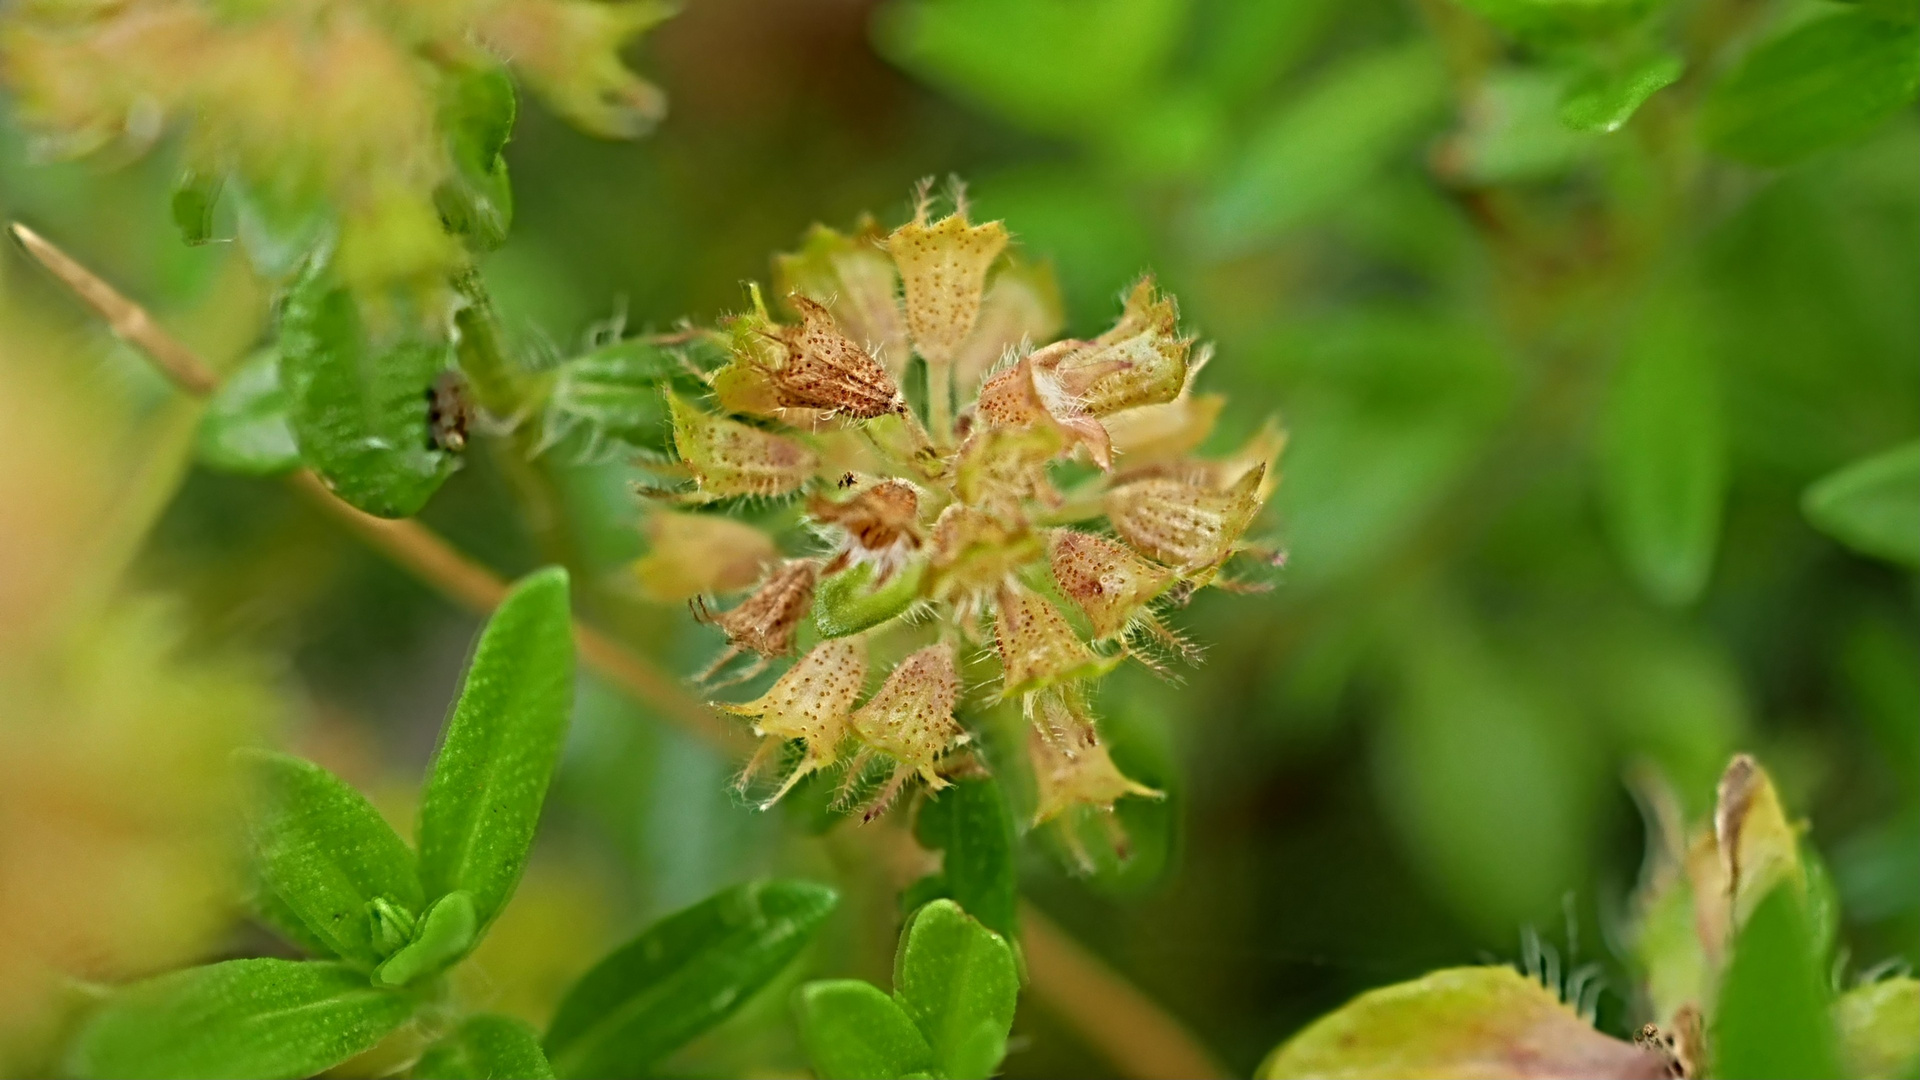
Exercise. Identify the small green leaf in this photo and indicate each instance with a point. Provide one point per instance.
(1605, 100)
(852, 1031)
(477, 112)
(486, 1047)
(1820, 84)
(484, 790)
(614, 393)
(1873, 505)
(359, 402)
(681, 976)
(957, 980)
(970, 823)
(194, 200)
(241, 1018)
(1469, 1021)
(1663, 455)
(1772, 1020)
(323, 849)
(1879, 1028)
(245, 428)
(849, 601)
(444, 935)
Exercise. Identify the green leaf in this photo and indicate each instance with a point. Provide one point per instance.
(241, 1018)
(1558, 20)
(477, 113)
(490, 775)
(1663, 454)
(681, 976)
(1873, 505)
(852, 1031)
(245, 428)
(323, 849)
(1318, 146)
(957, 980)
(1772, 1019)
(193, 202)
(849, 601)
(970, 823)
(445, 933)
(358, 401)
(1879, 1028)
(1469, 1021)
(1605, 100)
(486, 1047)
(1820, 84)
(274, 913)
(279, 229)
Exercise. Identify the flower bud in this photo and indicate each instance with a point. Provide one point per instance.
(693, 554)
(1105, 579)
(822, 369)
(1070, 766)
(1182, 523)
(910, 718)
(855, 279)
(1031, 394)
(727, 457)
(943, 271)
(809, 702)
(881, 522)
(1038, 647)
(766, 620)
(1141, 361)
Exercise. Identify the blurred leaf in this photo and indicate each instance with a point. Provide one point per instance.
(445, 933)
(323, 849)
(1662, 454)
(681, 976)
(1553, 20)
(849, 601)
(1488, 1022)
(1879, 1028)
(245, 428)
(1139, 738)
(852, 1031)
(614, 393)
(1772, 1017)
(1318, 146)
(1605, 100)
(1872, 506)
(1248, 45)
(485, 1047)
(359, 404)
(1059, 66)
(956, 979)
(489, 777)
(1876, 663)
(194, 199)
(970, 824)
(242, 1019)
(477, 113)
(1820, 84)
(278, 229)
(1511, 131)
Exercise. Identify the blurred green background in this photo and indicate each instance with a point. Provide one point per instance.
(1554, 397)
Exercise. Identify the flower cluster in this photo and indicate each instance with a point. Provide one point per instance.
(345, 109)
(1043, 523)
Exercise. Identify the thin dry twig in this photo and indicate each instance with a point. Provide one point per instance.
(1140, 1038)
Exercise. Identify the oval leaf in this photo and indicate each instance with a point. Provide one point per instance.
(1489, 1022)
(490, 775)
(486, 1048)
(1872, 506)
(1823, 83)
(245, 428)
(359, 405)
(477, 113)
(852, 1031)
(849, 601)
(1772, 1017)
(956, 979)
(241, 1018)
(681, 976)
(1606, 100)
(1663, 471)
(326, 853)
(193, 203)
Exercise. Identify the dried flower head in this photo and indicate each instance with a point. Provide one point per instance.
(953, 524)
